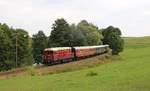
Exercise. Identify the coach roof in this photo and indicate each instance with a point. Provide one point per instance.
(84, 47)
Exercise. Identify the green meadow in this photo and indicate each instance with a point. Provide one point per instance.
(130, 71)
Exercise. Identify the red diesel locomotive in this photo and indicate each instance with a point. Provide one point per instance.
(63, 54)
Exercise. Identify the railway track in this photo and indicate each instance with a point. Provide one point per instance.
(44, 69)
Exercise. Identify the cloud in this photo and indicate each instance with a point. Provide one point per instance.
(131, 16)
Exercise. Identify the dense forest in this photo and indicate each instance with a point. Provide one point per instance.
(18, 49)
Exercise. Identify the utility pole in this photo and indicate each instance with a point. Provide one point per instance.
(16, 38)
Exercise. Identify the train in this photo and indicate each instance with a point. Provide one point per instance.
(66, 54)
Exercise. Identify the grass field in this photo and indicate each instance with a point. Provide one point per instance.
(128, 72)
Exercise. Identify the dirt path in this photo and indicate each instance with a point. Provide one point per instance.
(12, 73)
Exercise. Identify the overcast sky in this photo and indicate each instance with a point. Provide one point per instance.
(131, 16)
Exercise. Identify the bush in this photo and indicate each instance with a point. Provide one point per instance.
(91, 73)
(31, 71)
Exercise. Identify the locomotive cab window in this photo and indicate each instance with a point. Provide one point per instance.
(50, 52)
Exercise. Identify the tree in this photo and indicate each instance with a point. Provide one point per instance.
(112, 37)
(14, 47)
(91, 32)
(81, 35)
(22, 39)
(5, 55)
(60, 34)
(39, 44)
(77, 38)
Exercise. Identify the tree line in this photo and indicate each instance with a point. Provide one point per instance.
(18, 49)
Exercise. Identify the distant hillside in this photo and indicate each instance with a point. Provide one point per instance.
(135, 42)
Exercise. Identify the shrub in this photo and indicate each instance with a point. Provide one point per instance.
(91, 73)
(31, 71)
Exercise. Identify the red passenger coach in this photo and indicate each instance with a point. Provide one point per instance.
(84, 51)
(57, 54)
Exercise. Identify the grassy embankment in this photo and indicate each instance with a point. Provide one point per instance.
(129, 72)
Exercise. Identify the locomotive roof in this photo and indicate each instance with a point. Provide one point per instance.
(57, 48)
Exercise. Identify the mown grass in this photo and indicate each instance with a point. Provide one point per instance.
(128, 72)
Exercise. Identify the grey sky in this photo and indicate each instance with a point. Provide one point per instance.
(131, 16)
